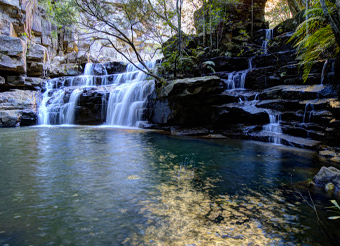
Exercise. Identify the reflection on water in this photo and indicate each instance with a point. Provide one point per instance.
(106, 186)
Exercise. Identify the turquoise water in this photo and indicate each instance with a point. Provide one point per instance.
(109, 186)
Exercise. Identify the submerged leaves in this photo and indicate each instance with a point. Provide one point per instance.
(185, 211)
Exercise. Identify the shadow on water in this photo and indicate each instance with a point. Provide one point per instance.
(107, 186)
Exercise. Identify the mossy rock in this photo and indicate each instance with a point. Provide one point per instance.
(286, 26)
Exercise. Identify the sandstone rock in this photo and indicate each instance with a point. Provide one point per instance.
(35, 69)
(37, 53)
(46, 41)
(11, 3)
(12, 54)
(36, 26)
(72, 69)
(56, 70)
(71, 57)
(16, 80)
(16, 103)
(59, 59)
(9, 118)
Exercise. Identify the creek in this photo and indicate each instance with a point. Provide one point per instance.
(111, 186)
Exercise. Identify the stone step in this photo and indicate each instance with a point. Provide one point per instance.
(298, 92)
(298, 142)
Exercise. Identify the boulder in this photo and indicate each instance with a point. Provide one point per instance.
(193, 86)
(18, 104)
(13, 4)
(185, 102)
(35, 69)
(288, 25)
(9, 118)
(328, 175)
(37, 53)
(12, 54)
(115, 67)
(36, 58)
(90, 109)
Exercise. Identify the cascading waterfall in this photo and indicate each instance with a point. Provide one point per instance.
(237, 79)
(127, 96)
(59, 101)
(269, 36)
(126, 102)
(274, 127)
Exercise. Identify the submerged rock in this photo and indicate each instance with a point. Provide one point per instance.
(328, 175)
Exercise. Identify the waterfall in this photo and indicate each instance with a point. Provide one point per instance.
(323, 71)
(311, 111)
(126, 102)
(126, 94)
(268, 36)
(274, 127)
(237, 79)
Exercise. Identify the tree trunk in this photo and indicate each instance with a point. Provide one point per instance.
(295, 6)
(334, 22)
(179, 16)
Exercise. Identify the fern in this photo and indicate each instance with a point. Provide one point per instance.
(317, 43)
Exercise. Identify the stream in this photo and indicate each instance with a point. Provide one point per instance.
(73, 185)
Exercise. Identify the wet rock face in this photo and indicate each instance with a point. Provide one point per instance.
(185, 101)
(274, 96)
(92, 107)
(115, 67)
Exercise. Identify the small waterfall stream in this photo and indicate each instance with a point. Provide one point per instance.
(237, 79)
(269, 36)
(274, 127)
(123, 96)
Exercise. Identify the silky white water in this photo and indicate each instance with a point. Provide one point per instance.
(123, 95)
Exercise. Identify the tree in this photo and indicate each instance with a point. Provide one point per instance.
(61, 13)
(30, 6)
(333, 21)
(115, 24)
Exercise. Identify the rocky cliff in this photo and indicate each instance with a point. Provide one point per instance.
(261, 97)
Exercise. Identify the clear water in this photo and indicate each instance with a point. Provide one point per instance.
(109, 186)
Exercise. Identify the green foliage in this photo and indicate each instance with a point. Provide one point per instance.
(61, 13)
(314, 40)
(209, 65)
(335, 209)
(277, 11)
